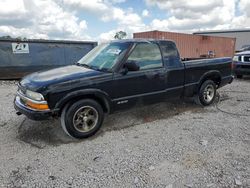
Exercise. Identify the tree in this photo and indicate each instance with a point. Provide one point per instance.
(6, 37)
(17, 38)
(120, 35)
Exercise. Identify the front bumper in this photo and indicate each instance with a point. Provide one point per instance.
(30, 113)
(242, 71)
(241, 68)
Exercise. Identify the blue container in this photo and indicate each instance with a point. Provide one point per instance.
(21, 57)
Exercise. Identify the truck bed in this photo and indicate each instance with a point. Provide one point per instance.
(196, 70)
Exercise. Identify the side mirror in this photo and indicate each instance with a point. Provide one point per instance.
(124, 71)
(131, 66)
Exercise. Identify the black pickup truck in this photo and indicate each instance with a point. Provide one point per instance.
(114, 76)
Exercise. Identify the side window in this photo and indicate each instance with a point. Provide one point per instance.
(170, 54)
(146, 56)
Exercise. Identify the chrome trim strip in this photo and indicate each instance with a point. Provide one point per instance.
(147, 94)
(191, 84)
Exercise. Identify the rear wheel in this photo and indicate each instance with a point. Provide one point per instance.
(207, 93)
(82, 119)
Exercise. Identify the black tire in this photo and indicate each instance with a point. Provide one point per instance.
(75, 117)
(239, 76)
(207, 93)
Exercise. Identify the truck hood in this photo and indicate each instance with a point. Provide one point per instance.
(243, 53)
(44, 79)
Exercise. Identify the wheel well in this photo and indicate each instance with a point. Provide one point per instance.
(216, 78)
(104, 104)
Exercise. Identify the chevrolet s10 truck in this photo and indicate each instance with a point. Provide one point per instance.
(115, 76)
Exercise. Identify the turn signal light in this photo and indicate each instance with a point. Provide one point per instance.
(37, 106)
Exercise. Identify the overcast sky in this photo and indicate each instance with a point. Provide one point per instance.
(100, 19)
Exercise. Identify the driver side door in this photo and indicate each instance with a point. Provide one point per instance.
(144, 84)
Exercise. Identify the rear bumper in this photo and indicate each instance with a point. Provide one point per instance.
(31, 114)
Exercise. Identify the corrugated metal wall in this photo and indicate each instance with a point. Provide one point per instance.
(242, 37)
(194, 46)
(19, 58)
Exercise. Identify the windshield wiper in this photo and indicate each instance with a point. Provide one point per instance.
(100, 69)
(93, 67)
(105, 70)
(84, 65)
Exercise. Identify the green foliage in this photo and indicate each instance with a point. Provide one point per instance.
(6, 37)
(120, 35)
(17, 38)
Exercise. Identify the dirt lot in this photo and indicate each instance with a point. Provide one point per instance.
(165, 145)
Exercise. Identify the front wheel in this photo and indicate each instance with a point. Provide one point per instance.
(82, 119)
(207, 93)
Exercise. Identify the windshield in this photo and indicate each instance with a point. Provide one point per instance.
(104, 56)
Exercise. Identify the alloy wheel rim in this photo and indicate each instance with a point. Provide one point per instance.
(208, 93)
(85, 119)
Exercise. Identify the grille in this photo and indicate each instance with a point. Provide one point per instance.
(246, 58)
(240, 58)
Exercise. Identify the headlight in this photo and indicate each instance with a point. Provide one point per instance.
(236, 58)
(34, 95)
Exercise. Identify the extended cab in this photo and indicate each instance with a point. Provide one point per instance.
(114, 76)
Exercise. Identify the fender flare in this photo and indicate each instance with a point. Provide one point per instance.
(208, 74)
(97, 93)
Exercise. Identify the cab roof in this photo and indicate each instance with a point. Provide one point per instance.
(138, 40)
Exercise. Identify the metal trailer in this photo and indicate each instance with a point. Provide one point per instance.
(21, 57)
(195, 46)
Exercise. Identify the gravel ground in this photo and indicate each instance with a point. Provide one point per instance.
(168, 145)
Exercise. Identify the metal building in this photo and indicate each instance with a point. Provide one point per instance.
(195, 46)
(21, 57)
(242, 36)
